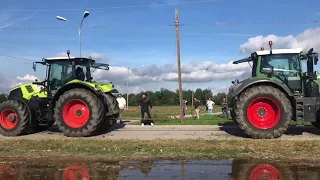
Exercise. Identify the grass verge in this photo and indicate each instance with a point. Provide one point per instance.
(162, 112)
(204, 120)
(159, 149)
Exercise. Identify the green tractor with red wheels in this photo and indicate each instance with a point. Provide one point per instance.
(277, 93)
(68, 97)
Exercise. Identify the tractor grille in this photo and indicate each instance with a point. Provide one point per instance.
(29, 89)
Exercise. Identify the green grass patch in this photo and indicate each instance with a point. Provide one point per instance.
(204, 120)
(162, 112)
(159, 149)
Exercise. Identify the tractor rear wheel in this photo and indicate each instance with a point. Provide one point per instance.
(14, 118)
(112, 106)
(263, 112)
(316, 124)
(79, 113)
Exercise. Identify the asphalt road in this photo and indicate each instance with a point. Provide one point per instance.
(208, 132)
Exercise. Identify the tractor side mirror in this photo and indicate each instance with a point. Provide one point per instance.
(315, 59)
(34, 66)
(267, 70)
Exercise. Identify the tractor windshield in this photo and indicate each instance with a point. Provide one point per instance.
(282, 63)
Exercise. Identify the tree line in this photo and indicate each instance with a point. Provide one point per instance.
(165, 97)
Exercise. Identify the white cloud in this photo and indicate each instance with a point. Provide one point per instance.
(198, 72)
(310, 38)
(6, 82)
(27, 77)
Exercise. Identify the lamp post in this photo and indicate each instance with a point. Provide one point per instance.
(85, 14)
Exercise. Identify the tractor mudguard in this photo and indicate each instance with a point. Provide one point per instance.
(236, 89)
(72, 85)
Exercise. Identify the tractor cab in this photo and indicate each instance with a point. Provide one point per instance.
(61, 70)
(277, 93)
(283, 65)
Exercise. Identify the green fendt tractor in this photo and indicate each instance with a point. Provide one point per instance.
(68, 97)
(278, 92)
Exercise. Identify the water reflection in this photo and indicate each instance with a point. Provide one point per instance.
(175, 170)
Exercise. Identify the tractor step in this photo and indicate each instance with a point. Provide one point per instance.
(305, 109)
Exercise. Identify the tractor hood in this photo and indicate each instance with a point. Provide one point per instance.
(98, 86)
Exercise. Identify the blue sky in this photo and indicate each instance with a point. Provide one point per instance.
(134, 47)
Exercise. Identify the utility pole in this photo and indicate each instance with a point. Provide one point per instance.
(192, 96)
(179, 65)
(128, 88)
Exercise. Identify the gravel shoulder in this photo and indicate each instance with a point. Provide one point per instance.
(177, 132)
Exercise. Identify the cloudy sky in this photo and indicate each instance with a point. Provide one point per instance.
(147, 56)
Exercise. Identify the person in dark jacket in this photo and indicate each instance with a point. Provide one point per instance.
(196, 107)
(144, 105)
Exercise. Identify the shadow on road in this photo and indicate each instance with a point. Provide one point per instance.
(292, 131)
(54, 129)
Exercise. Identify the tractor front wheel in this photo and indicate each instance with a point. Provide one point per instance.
(263, 112)
(14, 118)
(79, 113)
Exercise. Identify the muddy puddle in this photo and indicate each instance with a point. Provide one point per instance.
(175, 170)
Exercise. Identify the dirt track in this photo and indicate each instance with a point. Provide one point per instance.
(176, 132)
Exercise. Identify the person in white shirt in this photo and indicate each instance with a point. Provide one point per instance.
(122, 106)
(210, 105)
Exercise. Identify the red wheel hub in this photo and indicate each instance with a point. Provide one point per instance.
(8, 172)
(263, 113)
(75, 172)
(266, 172)
(8, 119)
(75, 113)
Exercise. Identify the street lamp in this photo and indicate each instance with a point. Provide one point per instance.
(85, 14)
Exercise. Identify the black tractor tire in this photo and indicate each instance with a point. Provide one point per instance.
(316, 124)
(22, 117)
(112, 105)
(92, 107)
(260, 169)
(274, 101)
(112, 108)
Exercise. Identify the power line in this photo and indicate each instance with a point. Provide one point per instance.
(17, 57)
(254, 23)
(115, 7)
(217, 24)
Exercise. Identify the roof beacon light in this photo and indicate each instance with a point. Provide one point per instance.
(270, 43)
(262, 48)
(68, 52)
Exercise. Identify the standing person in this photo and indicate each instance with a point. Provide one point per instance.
(210, 105)
(122, 106)
(196, 107)
(224, 108)
(184, 107)
(144, 105)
